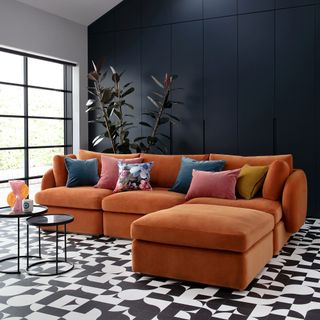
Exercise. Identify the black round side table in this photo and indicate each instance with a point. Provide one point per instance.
(50, 220)
(7, 213)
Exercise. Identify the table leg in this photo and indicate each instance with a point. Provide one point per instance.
(65, 243)
(39, 238)
(56, 249)
(27, 246)
(18, 244)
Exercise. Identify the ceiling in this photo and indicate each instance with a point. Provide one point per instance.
(80, 11)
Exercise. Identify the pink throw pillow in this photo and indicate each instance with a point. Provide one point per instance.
(213, 184)
(110, 171)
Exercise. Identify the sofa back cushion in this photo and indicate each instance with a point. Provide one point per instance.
(166, 167)
(250, 180)
(60, 172)
(86, 155)
(81, 172)
(277, 175)
(236, 162)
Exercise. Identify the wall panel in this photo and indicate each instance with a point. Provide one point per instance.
(127, 60)
(156, 61)
(296, 90)
(188, 134)
(220, 84)
(256, 83)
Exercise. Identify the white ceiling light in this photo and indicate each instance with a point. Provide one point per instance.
(80, 11)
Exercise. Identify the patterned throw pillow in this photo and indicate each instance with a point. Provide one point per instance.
(134, 177)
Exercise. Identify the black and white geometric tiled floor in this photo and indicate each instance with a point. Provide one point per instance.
(102, 286)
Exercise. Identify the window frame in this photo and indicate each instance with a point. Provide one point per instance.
(67, 111)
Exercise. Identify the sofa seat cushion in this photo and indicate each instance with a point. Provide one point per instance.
(269, 206)
(78, 197)
(204, 226)
(142, 202)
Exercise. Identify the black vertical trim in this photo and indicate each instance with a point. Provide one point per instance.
(274, 111)
(317, 98)
(204, 135)
(26, 120)
(203, 86)
(275, 134)
(171, 64)
(237, 83)
(65, 127)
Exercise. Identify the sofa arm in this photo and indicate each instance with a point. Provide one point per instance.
(295, 201)
(48, 180)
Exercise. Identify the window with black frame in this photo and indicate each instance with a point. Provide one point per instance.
(35, 117)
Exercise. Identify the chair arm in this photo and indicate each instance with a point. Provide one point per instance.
(48, 180)
(295, 201)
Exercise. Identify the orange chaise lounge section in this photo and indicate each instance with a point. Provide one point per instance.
(208, 240)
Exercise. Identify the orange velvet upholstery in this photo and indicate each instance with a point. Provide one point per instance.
(204, 226)
(118, 224)
(280, 237)
(48, 180)
(166, 168)
(85, 221)
(276, 177)
(295, 201)
(87, 198)
(212, 267)
(86, 155)
(260, 204)
(235, 162)
(142, 202)
(59, 169)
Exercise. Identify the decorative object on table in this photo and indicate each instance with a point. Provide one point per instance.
(81, 172)
(184, 177)
(159, 116)
(134, 177)
(110, 104)
(8, 213)
(19, 192)
(27, 205)
(50, 220)
(110, 171)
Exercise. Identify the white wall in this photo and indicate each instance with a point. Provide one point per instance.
(28, 29)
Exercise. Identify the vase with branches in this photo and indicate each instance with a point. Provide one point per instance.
(110, 105)
(159, 115)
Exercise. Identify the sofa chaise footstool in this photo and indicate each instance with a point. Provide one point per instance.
(217, 245)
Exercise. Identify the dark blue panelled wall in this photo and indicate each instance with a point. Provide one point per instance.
(250, 70)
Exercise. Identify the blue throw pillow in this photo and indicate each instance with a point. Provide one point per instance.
(184, 177)
(82, 172)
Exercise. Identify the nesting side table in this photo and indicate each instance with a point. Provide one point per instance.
(7, 213)
(50, 220)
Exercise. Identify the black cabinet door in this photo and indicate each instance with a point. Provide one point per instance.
(294, 3)
(295, 91)
(128, 14)
(219, 8)
(155, 12)
(186, 10)
(246, 6)
(220, 85)
(256, 83)
(128, 61)
(155, 60)
(102, 52)
(187, 63)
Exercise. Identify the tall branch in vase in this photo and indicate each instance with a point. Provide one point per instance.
(110, 103)
(159, 115)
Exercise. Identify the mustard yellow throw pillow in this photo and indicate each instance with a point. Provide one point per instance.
(250, 180)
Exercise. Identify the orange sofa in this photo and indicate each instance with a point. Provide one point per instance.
(213, 241)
